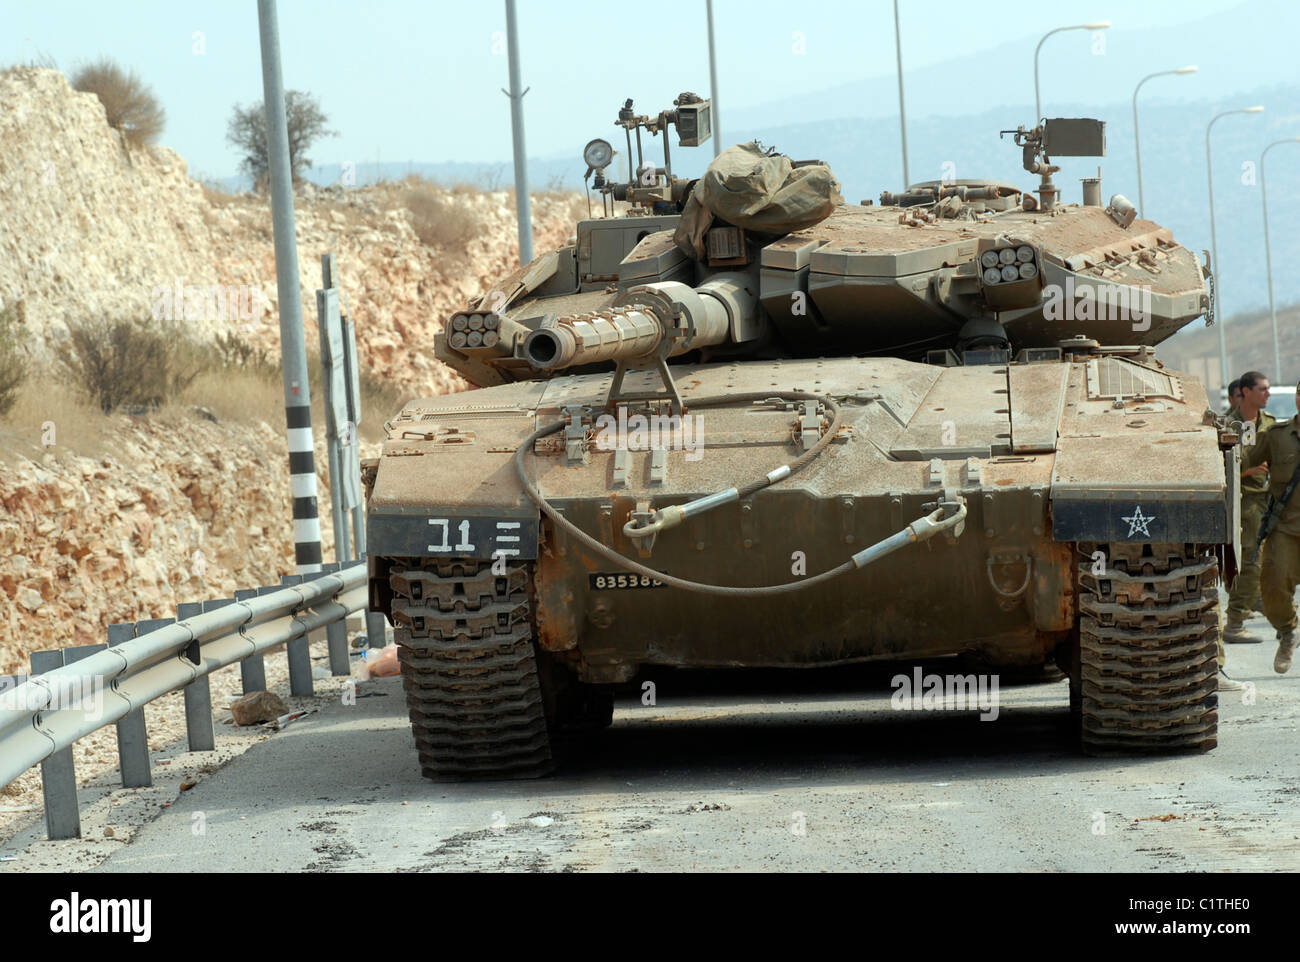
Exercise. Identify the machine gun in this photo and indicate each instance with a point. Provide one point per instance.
(1273, 514)
(1059, 137)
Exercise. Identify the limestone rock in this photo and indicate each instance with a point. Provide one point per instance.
(258, 706)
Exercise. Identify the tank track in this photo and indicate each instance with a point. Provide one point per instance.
(470, 670)
(1148, 647)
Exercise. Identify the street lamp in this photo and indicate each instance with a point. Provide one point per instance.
(902, 113)
(713, 80)
(1268, 256)
(1099, 25)
(1215, 272)
(1136, 145)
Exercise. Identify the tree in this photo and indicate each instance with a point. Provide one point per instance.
(247, 133)
(129, 103)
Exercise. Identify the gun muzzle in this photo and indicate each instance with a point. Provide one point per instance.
(621, 332)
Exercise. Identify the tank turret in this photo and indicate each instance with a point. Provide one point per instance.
(942, 271)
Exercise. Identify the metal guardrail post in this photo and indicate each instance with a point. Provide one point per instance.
(336, 634)
(132, 735)
(299, 650)
(376, 629)
(252, 670)
(58, 772)
(198, 696)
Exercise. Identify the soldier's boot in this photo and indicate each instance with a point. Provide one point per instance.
(1228, 684)
(1234, 631)
(1285, 648)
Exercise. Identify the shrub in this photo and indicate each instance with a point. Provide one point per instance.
(129, 103)
(13, 365)
(117, 362)
(234, 353)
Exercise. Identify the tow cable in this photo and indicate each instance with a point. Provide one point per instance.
(946, 516)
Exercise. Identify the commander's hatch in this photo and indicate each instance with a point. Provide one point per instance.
(983, 412)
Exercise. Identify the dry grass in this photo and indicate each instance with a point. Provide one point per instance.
(438, 219)
(380, 402)
(42, 61)
(217, 195)
(129, 103)
(14, 362)
(234, 395)
(49, 417)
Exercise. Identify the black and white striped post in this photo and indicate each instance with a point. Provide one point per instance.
(293, 348)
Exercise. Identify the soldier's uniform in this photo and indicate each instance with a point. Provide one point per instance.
(1254, 499)
(1280, 559)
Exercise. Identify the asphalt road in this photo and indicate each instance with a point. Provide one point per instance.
(804, 773)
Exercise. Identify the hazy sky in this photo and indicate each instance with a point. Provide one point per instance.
(420, 79)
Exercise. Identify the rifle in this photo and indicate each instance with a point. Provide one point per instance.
(1273, 513)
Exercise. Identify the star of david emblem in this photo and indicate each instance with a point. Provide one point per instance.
(1138, 521)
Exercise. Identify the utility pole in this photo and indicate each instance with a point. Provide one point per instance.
(293, 348)
(522, 211)
(713, 81)
(1268, 259)
(1137, 142)
(902, 112)
(1216, 270)
(1038, 105)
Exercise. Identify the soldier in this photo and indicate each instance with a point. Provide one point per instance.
(1280, 572)
(1254, 498)
(1234, 396)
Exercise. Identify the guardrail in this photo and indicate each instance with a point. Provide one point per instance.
(76, 691)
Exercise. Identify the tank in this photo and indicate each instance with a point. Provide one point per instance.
(738, 423)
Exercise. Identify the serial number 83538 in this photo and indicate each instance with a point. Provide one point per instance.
(605, 582)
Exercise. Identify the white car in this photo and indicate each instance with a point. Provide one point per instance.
(1281, 402)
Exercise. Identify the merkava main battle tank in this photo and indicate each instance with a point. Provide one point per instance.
(702, 424)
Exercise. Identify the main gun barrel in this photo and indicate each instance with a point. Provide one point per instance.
(663, 319)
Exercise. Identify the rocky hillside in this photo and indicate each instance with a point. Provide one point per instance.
(184, 510)
(176, 507)
(89, 227)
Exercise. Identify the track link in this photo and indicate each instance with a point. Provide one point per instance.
(1148, 646)
(470, 670)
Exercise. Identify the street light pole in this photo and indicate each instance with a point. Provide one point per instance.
(713, 81)
(902, 112)
(1136, 143)
(1215, 271)
(1099, 25)
(293, 346)
(1268, 257)
(523, 212)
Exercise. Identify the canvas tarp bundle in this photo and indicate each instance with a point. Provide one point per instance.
(756, 191)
